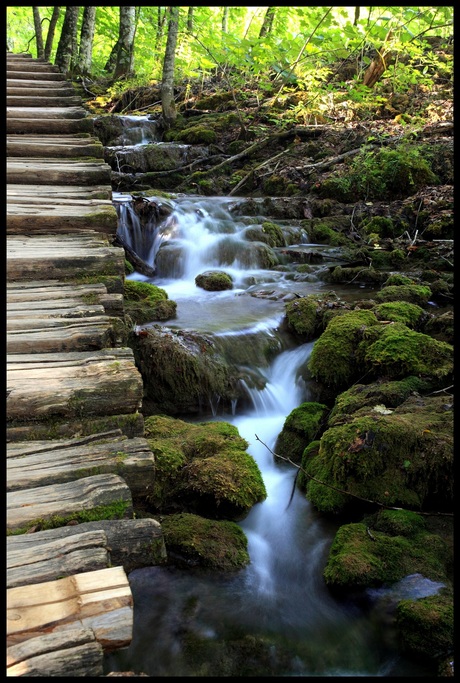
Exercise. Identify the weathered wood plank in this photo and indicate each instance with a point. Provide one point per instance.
(33, 562)
(57, 146)
(42, 463)
(56, 192)
(100, 600)
(80, 335)
(20, 72)
(130, 543)
(42, 256)
(47, 217)
(70, 652)
(43, 126)
(46, 113)
(48, 89)
(32, 65)
(67, 501)
(72, 384)
(28, 100)
(61, 172)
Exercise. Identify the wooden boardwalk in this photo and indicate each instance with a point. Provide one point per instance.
(77, 459)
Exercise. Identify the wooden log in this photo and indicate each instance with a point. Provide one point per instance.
(131, 424)
(32, 562)
(43, 126)
(72, 385)
(70, 652)
(22, 88)
(44, 257)
(61, 172)
(56, 146)
(49, 554)
(42, 76)
(32, 65)
(46, 113)
(42, 463)
(81, 335)
(48, 218)
(100, 600)
(59, 503)
(56, 192)
(28, 100)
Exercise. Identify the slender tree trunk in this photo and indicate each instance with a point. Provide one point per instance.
(190, 20)
(268, 22)
(124, 65)
(167, 83)
(225, 20)
(50, 34)
(112, 60)
(38, 33)
(357, 12)
(84, 62)
(66, 47)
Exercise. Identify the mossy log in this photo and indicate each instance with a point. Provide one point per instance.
(56, 505)
(72, 384)
(101, 600)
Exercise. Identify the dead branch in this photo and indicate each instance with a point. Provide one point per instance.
(134, 259)
(264, 163)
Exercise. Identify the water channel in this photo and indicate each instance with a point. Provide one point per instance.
(275, 617)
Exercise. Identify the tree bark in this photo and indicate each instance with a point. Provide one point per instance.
(84, 61)
(379, 64)
(167, 84)
(124, 63)
(38, 33)
(268, 22)
(190, 20)
(50, 34)
(65, 51)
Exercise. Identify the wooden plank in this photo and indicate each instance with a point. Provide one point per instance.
(21, 88)
(72, 384)
(32, 65)
(33, 562)
(61, 172)
(56, 192)
(80, 335)
(16, 80)
(29, 100)
(58, 218)
(46, 112)
(131, 424)
(70, 652)
(130, 543)
(100, 600)
(15, 72)
(42, 463)
(67, 501)
(43, 126)
(36, 146)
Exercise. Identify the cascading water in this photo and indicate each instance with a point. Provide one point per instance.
(278, 609)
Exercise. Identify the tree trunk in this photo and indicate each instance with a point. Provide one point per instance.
(379, 64)
(225, 20)
(83, 65)
(64, 53)
(268, 22)
(50, 34)
(38, 33)
(167, 84)
(124, 65)
(190, 20)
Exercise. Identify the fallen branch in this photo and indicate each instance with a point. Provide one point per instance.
(135, 260)
(264, 163)
(345, 493)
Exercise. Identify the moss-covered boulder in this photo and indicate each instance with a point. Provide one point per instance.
(371, 553)
(403, 458)
(145, 302)
(192, 541)
(300, 428)
(401, 312)
(202, 468)
(414, 294)
(306, 316)
(182, 372)
(441, 327)
(214, 281)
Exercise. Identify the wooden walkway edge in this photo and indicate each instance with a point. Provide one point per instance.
(77, 459)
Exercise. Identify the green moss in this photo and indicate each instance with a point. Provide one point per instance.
(145, 302)
(415, 294)
(219, 545)
(300, 428)
(379, 225)
(274, 233)
(214, 281)
(426, 626)
(400, 311)
(306, 316)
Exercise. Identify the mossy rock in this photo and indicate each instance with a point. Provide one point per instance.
(300, 428)
(401, 459)
(379, 225)
(145, 302)
(362, 556)
(426, 627)
(202, 468)
(333, 359)
(274, 234)
(214, 281)
(415, 294)
(182, 371)
(357, 274)
(441, 327)
(305, 316)
(401, 312)
(193, 541)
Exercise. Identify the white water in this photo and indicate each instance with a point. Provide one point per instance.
(280, 598)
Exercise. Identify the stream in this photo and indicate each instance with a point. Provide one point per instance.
(276, 617)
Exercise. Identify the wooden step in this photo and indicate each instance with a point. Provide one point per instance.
(29, 88)
(64, 217)
(53, 146)
(42, 463)
(32, 66)
(31, 100)
(17, 192)
(45, 113)
(44, 126)
(54, 553)
(62, 172)
(20, 72)
(100, 600)
(59, 502)
(76, 384)
(43, 257)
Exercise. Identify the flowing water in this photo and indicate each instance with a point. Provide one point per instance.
(275, 617)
